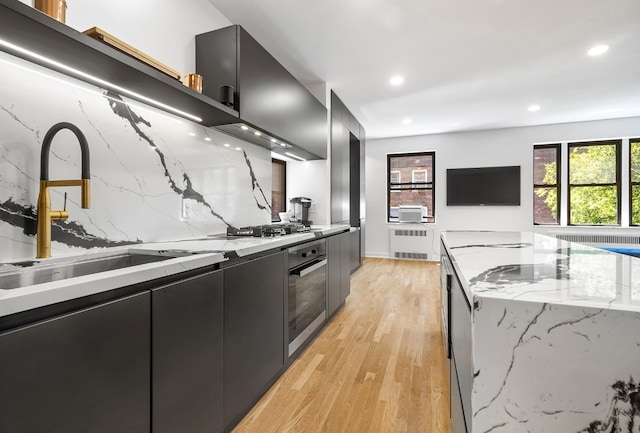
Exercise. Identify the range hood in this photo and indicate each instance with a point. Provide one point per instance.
(275, 110)
(251, 134)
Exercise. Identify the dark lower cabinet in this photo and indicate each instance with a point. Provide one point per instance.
(457, 326)
(458, 424)
(346, 268)
(254, 299)
(354, 250)
(87, 371)
(334, 288)
(461, 349)
(338, 271)
(187, 355)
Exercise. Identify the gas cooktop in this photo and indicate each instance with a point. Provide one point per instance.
(267, 230)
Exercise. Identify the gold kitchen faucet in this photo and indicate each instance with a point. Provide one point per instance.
(45, 214)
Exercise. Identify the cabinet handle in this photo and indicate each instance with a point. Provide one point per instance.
(314, 267)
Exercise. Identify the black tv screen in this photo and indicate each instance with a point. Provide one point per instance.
(483, 186)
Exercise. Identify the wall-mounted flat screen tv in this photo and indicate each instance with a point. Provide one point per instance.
(483, 186)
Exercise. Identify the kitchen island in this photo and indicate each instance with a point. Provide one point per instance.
(544, 334)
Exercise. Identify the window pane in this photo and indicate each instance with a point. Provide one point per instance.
(545, 166)
(593, 205)
(411, 182)
(406, 164)
(635, 205)
(635, 160)
(592, 164)
(419, 176)
(395, 176)
(419, 197)
(278, 193)
(545, 204)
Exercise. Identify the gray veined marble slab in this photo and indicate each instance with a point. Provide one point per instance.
(198, 253)
(555, 333)
(534, 267)
(155, 176)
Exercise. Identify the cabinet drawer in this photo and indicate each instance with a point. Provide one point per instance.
(87, 371)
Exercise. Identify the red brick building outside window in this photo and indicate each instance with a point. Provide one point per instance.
(410, 181)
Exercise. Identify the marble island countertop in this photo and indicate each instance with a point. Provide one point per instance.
(534, 267)
(553, 341)
(191, 254)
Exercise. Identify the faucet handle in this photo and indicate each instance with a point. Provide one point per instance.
(60, 215)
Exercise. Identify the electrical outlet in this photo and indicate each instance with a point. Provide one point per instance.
(187, 211)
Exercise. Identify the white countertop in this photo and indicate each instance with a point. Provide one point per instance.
(201, 252)
(534, 267)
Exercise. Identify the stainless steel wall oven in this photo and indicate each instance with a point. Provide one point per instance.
(307, 295)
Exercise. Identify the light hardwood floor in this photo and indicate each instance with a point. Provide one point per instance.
(379, 366)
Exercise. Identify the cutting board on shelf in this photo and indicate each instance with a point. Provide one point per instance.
(102, 36)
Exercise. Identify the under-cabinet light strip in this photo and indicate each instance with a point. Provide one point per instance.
(85, 88)
(294, 156)
(97, 80)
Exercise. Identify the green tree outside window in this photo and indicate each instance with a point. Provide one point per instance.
(593, 184)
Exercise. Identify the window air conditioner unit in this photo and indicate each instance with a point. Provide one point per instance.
(410, 214)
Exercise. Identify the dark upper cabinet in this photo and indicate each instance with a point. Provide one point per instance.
(340, 187)
(347, 170)
(87, 371)
(267, 96)
(347, 165)
(187, 355)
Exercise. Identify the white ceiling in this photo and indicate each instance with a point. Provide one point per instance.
(468, 64)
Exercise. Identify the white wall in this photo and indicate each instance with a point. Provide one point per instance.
(162, 29)
(512, 146)
(310, 179)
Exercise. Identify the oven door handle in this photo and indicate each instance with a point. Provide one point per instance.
(306, 271)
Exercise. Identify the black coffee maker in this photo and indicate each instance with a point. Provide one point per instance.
(300, 210)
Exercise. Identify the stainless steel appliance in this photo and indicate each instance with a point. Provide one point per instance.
(300, 210)
(267, 230)
(307, 294)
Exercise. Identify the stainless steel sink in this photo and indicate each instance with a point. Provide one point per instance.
(38, 273)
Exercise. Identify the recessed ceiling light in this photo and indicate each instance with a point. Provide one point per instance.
(207, 139)
(227, 145)
(534, 107)
(192, 134)
(238, 148)
(598, 50)
(283, 144)
(397, 80)
(406, 121)
(273, 140)
(258, 133)
(245, 127)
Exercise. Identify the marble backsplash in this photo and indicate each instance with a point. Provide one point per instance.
(154, 176)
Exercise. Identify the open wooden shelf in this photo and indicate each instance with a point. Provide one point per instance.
(36, 32)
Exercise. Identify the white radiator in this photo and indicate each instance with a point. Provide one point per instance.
(409, 243)
(599, 239)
